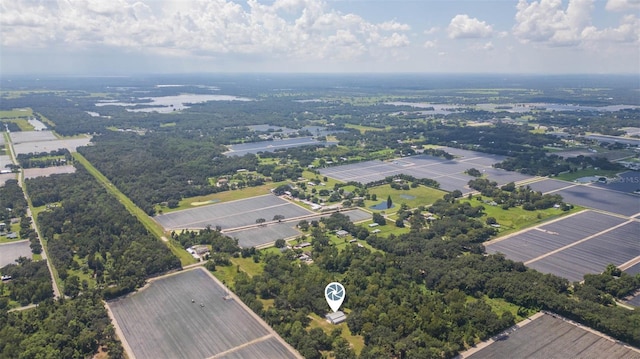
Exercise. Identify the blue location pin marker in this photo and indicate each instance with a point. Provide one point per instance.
(334, 293)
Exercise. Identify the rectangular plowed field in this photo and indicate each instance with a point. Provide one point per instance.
(256, 236)
(185, 315)
(544, 239)
(449, 173)
(593, 255)
(602, 199)
(548, 337)
(231, 214)
(9, 252)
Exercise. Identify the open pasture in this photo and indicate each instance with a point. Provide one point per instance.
(48, 171)
(616, 246)
(232, 214)
(449, 173)
(257, 236)
(9, 252)
(573, 246)
(185, 315)
(551, 337)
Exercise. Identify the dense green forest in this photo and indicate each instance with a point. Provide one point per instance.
(90, 235)
(65, 329)
(30, 283)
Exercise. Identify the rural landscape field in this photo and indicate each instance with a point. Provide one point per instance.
(450, 230)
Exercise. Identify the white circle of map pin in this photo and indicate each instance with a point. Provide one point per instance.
(334, 293)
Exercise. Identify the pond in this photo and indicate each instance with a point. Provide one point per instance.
(381, 206)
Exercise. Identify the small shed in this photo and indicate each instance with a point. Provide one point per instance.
(336, 318)
(342, 233)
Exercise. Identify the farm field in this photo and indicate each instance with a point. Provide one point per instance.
(9, 252)
(449, 173)
(616, 246)
(4, 161)
(47, 146)
(591, 196)
(47, 171)
(31, 136)
(257, 236)
(573, 246)
(185, 315)
(550, 337)
(231, 214)
(624, 182)
(270, 146)
(5, 177)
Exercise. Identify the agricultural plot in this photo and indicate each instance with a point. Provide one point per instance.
(551, 337)
(4, 161)
(52, 145)
(635, 301)
(592, 256)
(449, 173)
(270, 146)
(185, 315)
(626, 182)
(256, 236)
(573, 246)
(633, 270)
(233, 214)
(593, 196)
(31, 136)
(48, 171)
(9, 252)
(602, 199)
(5, 177)
(550, 185)
(543, 239)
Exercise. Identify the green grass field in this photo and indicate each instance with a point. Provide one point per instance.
(220, 197)
(21, 122)
(515, 219)
(16, 113)
(414, 197)
(588, 172)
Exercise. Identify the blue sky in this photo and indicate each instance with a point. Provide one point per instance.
(432, 36)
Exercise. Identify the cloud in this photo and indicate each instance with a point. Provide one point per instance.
(464, 27)
(305, 29)
(430, 44)
(547, 22)
(622, 5)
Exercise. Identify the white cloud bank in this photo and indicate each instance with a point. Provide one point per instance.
(465, 27)
(547, 22)
(303, 28)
